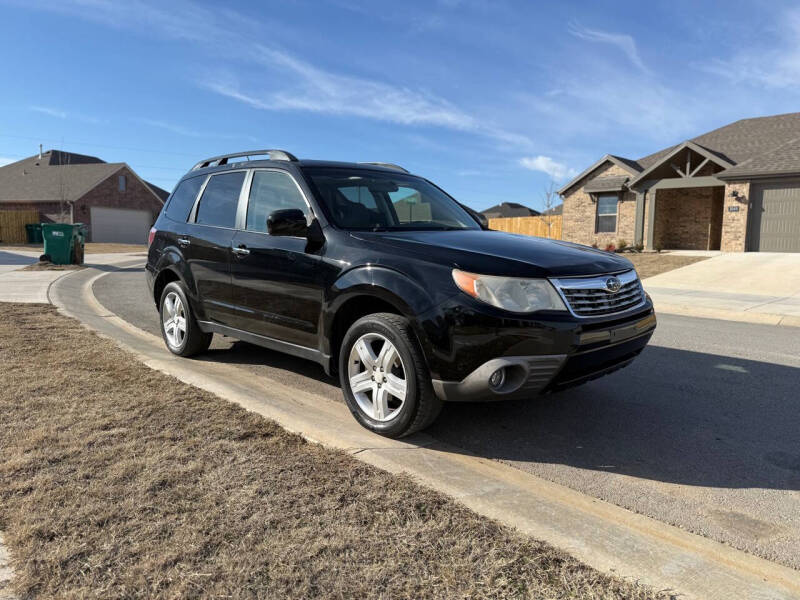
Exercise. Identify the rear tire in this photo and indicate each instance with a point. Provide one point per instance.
(384, 377)
(179, 328)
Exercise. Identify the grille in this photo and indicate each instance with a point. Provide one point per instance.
(589, 296)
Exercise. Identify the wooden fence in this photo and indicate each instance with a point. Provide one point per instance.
(12, 225)
(548, 226)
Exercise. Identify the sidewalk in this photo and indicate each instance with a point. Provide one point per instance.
(752, 287)
(32, 286)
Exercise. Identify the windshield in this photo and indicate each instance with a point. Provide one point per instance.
(365, 200)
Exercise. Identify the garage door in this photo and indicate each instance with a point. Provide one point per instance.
(775, 217)
(120, 225)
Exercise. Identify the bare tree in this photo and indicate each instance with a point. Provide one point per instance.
(549, 200)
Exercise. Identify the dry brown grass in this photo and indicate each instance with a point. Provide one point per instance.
(119, 481)
(46, 266)
(649, 264)
(89, 248)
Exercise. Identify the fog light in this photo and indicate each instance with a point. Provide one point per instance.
(497, 379)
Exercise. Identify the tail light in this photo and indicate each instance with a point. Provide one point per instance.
(151, 236)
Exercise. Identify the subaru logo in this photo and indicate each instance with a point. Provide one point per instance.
(613, 284)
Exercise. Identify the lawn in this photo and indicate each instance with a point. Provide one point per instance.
(119, 481)
(89, 248)
(650, 263)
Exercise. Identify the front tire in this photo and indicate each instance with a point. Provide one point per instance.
(384, 377)
(179, 328)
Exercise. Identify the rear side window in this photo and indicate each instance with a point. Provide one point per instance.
(271, 191)
(182, 200)
(220, 199)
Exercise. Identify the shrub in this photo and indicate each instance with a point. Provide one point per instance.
(658, 246)
(594, 245)
(621, 245)
(638, 247)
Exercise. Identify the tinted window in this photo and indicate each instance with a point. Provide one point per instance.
(271, 191)
(220, 198)
(367, 199)
(182, 200)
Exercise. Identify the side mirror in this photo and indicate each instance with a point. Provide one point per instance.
(479, 217)
(287, 222)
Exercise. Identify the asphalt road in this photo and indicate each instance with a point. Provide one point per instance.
(702, 431)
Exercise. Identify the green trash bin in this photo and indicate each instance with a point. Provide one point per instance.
(63, 242)
(34, 233)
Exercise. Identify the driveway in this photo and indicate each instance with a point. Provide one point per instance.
(702, 431)
(11, 261)
(757, 284)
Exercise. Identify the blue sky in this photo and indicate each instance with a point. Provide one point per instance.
(490, 99)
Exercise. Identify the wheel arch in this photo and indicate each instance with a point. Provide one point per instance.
(172, 267)
(366, 291)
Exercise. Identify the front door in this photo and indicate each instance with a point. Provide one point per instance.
(207, 248)
(276, 283)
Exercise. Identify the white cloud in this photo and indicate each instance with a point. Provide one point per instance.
(622, 41)
(772, 60)
(309, 88)
(62, 114)
(556, 170)
(50, 112)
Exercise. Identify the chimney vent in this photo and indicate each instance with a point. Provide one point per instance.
(40, 152)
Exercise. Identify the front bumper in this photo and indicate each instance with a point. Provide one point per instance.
(595, 352)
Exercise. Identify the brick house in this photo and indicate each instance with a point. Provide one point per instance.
(736, 189)
(115, 203)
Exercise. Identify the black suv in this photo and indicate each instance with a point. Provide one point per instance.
(380, 276)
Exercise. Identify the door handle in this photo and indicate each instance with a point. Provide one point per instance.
(241, 250)
(183, 242)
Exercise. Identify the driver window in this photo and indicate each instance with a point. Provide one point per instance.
(271, 191)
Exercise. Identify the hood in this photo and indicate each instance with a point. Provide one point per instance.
(499, 253)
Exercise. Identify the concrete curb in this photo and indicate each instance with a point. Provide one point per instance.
(5, 573)
(600, 534)
(728, 315)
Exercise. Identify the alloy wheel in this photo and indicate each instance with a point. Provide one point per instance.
(377, 377)
(174, 320)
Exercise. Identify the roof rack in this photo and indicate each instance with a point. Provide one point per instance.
(387, 165)
(224, 159)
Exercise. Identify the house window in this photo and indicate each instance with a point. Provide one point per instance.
(122, 183)
(606, 213)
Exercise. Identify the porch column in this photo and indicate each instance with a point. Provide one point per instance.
(651, 219)
(638, 231)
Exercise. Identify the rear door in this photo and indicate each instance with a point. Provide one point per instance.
(276, 283)
(207, 248)
(775, 217)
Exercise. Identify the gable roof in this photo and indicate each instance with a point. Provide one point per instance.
(758, 146)
(625, 163)
(664, 157)
(509, 209)
(58, 176)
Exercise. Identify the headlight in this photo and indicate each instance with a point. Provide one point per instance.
(510, 293)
